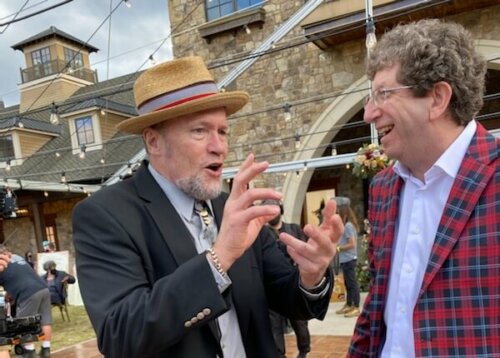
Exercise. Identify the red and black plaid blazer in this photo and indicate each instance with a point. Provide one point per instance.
(457, 310)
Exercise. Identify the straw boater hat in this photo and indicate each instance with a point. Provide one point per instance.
(176, 88)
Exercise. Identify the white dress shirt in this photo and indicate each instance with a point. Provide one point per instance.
(420, 210)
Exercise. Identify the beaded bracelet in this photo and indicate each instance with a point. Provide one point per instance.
(215, 260)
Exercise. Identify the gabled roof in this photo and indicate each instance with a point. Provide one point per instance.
(56, 156)
(28, 123)
(53, 32)
(101, 103)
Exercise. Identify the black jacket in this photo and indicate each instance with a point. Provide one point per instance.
(142, 279)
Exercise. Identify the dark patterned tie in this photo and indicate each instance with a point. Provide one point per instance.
(208, 231)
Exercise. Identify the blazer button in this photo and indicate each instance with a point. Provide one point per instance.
(200, 316)
(187, 324)
(194, 320)
(207, 311)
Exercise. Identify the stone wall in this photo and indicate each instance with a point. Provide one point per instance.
(301, 72)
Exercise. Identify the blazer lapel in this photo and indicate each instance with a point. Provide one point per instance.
(168, 222)
(470, 182)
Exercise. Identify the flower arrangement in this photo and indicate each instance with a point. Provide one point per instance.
(369, 160)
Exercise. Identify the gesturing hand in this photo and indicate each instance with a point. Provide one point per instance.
(314, 256)
(242, 221)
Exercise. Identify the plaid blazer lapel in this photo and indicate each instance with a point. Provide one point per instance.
(471, 180)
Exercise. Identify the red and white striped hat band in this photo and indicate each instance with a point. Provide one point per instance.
(177, 97)
(175, 89)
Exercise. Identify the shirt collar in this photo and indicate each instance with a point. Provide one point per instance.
(449, 162)
(183, 203)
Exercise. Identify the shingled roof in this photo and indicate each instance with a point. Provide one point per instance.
(53, 32)
(56, 156)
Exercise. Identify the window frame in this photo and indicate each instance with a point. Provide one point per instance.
(234, 4)
(75, 141)
(41, 61)
(73, 59)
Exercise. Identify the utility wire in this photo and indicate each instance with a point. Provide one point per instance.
(35, 13)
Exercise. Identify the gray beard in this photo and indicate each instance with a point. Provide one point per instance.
(194, 187)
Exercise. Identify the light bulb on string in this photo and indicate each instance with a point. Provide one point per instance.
(247, 30)
(63, 177)
(54, 114)
(334, 150)
(287, 114)
(82, 152)
(7, 165)
(102, 161)
(371, 38)
(46, 193)
(127, 3)
(152, 60)
(297, 141)
(58, 155)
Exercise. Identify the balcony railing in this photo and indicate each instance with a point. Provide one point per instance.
(56, 66)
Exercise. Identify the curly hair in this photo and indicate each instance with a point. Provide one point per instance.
(430, 51)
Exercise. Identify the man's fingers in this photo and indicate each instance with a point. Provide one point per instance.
(247, 171)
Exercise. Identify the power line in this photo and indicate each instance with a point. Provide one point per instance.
(17, 19)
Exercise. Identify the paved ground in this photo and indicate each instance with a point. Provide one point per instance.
(329, 339)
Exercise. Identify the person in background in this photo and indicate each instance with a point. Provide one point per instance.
(31, 296)
(4, 262)
(168, 265)
(348, 256)
(56, 281)
(278, 322)
(28, 256)
(434, 243)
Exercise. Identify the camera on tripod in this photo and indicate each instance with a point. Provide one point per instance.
(19, 330)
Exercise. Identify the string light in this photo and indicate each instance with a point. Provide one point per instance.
(247, 30)
(20, 123)
(334, 150)
(7, 165)
(371, 38)
(129, 170)
(103, 112)
(82, 151)
(287, 115)
(46, 193)
(54, 114)
(58, 155)
(102, 161)
(152, 60)
(305, 167)
(63, 177)
(297, 141)
(127, 3)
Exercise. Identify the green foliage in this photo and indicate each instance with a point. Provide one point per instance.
(362, 271)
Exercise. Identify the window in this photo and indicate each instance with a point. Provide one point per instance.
(51, 230)
(73, 59)
(6, 147)
(84, 131)
(41, 62)
(219, 8)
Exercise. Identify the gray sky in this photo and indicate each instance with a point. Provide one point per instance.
(135, 33)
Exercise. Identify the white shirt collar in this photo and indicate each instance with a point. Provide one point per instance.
(449, 162)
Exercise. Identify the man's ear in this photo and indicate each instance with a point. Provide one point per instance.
(441, 97)
(150, 137)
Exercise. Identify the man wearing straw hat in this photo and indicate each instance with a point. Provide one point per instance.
(170, 267)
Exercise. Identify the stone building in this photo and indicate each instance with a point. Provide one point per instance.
(314, 64)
